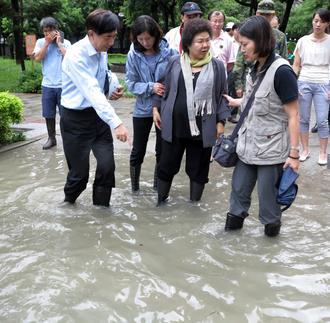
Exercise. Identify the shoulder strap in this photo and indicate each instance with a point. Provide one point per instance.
(249, 103)
(247, 107)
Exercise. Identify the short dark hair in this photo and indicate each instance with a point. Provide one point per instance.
(258, 29)
(323, 13)
(217, 13)
(191, 29)
(48, 22)
(146, 24)
(102, 21)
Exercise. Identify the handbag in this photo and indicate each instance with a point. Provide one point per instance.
(224, 150)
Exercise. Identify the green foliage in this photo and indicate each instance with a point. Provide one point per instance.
(11, 111)
(117, 58)
(30, 82)
(71, 19)
(34, 11)
(234, 12)
(300, 22)
(6, 26)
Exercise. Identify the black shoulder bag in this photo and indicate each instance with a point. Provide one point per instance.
(224, 150)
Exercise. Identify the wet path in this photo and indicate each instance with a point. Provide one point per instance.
(134, 262)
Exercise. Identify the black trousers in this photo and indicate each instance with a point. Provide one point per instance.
(197, 159)
(141, 128)
(82, 132)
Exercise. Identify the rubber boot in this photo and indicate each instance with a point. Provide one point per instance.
(135, 177)
(196, 191)
(101, 195)
(272, 229)
(163, 188)
(233, 222)
(69, 200)
(51, 142)
(314, 129)
(155, 178)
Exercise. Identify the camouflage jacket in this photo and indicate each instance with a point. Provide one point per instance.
(241, 66)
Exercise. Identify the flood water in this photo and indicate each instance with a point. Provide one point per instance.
(134, 262)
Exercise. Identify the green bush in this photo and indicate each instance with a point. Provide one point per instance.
(11, 111)
(30, 82)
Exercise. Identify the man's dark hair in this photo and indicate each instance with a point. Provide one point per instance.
(146, 24)
(323, 13)
(102, 21)
(48, 22)
(191, 29)
(258, 29)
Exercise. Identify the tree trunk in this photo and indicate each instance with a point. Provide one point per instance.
(18, 37)
(286, 15)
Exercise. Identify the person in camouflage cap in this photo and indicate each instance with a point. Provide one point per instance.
(266, 8)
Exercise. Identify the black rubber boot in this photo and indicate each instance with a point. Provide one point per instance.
(135, 177)
(101, 195)
(196, 191)
(69, 200)
(51, 142)
(233, 222)
(155, 178)
(272, 229)
(314, 129)
(163, 189)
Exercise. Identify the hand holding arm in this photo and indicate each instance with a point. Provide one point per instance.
(159, 88)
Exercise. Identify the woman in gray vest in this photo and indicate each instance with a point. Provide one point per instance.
(268, 139)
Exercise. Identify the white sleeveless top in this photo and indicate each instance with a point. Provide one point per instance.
(315, 59)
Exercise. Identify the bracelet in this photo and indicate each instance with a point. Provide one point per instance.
(296, 148)
(294, 157)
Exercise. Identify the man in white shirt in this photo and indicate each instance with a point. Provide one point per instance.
(221, 44)
(50, 51)
(232, 31)
(189, 10)
(87, 116)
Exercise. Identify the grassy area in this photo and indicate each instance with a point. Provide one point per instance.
(10, 73)
(117, 58)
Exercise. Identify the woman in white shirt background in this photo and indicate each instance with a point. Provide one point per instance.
(311, 63)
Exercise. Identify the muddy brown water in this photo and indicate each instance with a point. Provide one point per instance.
(135, 262)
